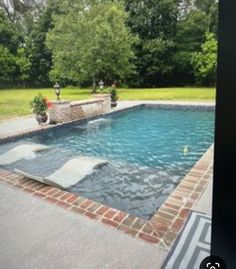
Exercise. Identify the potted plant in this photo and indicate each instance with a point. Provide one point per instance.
(114, 96)
(40, 104)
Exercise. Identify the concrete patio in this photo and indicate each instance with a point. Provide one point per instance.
(35, 234)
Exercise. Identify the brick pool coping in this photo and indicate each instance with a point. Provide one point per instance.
(161, 230)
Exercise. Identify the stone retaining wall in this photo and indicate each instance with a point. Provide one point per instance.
(64, 111)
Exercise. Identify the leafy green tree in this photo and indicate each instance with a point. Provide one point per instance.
(41, 57)
(155, 24)
(204, 5)
(90, 41)
(20, 18)
(12, 40)
(198, 16)
(9, 35)
(152, 18)
(22, 66)
(190, 35)
(213, 18)
(94, 39)
(185, 6)
(9, 42)
(7, 66)
(210, 8)
(191, 31)
(16, 10)
(159, 65)
(204, 62)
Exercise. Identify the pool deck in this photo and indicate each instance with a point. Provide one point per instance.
(37, 233)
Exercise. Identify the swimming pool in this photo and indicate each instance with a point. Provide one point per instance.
(148, 149)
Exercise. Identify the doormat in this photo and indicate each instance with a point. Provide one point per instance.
(192, 245)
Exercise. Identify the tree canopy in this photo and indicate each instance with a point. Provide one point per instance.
(204, 62)
(146, 43)
(90, 41)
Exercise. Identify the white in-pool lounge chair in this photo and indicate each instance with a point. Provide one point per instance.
(70, 173)
(23, 151)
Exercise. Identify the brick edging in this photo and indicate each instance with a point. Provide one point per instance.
(173, 213)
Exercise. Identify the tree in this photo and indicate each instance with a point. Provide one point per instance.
(23, 66)
(204, 5)
(213, 18)
(16, 20)
(144, 43)
(190, 35)
(197, 17)
(16, 10)
(41, 57)
(204, 62)
(185, 6)
(157, 57)
(9, 42)
(210, 8)
(9, 35)
(7, 63)
(152, 18)
(155, 24)
(90, 40)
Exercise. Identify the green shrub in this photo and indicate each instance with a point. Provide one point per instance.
(114, 95)
(39, 104)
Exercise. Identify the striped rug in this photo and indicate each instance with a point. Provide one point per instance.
(193, 244)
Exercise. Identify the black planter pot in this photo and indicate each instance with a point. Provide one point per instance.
(41, 118)
(113, 103)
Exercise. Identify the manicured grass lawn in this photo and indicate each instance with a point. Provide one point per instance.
(15, 102)
(194, 94)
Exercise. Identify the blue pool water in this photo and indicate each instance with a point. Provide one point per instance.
(145, 150)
